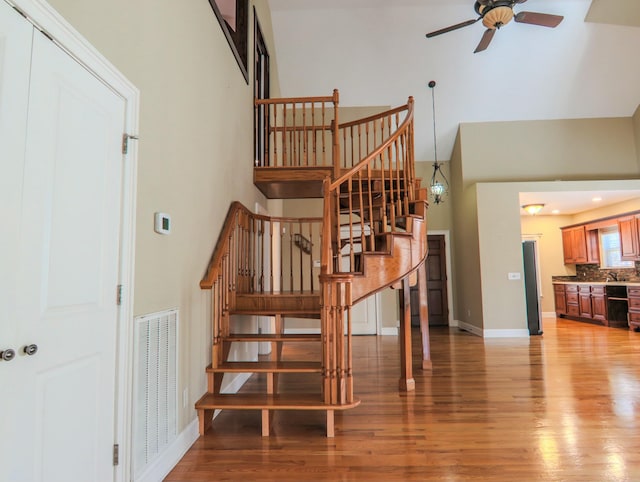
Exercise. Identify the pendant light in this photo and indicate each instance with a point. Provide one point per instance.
(439, 186)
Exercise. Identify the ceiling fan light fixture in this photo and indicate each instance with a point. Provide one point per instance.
(497, 17)
(533, 209)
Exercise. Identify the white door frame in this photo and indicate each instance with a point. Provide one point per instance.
(447, 250)
(45, 18)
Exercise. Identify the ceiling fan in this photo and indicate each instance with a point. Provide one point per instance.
(496, 14)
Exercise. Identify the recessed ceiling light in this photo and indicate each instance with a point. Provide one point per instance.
(555, 211)
(596, 199)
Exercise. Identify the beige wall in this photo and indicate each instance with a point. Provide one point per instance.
(636, 132)
(500, 232)
(570, 150)
(548, 150)
(195, 149)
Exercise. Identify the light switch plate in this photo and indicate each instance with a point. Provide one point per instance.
(514, 276)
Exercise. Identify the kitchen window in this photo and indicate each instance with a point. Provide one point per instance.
(610, 249)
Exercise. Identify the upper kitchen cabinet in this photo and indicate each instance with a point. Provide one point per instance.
(628, 228)
(574, 245)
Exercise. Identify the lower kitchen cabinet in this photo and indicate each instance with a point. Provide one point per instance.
(633, 295)
(598, 304)
(571, 295)
(584, 301)
(561, 302)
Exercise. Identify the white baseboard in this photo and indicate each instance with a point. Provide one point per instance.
(167, 460)
(518, 333)
(506, 333)
(469, 327)
(389, 331)
(548, 314)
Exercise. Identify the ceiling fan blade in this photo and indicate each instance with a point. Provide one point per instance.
(452, 27)
(542, 19)
(485, 40)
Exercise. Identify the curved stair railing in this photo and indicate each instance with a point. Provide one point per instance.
(365, 210)
(372, 234)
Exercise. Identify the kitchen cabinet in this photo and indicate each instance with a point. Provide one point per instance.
(598, 304)
(584, 301)
(561, 302)
(628, 229)
(606, 303)
(571, 297)
(574, 245)
(633, 317)
(593, 246)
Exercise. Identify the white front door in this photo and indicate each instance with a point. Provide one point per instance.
(62, 239)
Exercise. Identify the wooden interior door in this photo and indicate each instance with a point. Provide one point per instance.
(59, 400)
(437, 299)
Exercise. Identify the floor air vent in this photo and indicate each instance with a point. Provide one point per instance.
(155, 387)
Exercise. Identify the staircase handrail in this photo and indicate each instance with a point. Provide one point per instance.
(400, 168)
(238, 216)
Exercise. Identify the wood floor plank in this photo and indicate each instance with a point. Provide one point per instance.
(558, 407)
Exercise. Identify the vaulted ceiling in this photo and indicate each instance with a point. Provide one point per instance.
(375, 52)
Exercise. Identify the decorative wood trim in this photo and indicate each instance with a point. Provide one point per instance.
(239, 39)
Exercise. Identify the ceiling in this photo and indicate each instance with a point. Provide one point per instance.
(375, 52)
(567, 203)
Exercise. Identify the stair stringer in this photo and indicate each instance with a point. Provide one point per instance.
(407, 252)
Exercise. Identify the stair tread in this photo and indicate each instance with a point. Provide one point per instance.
(273, 337)
(268, 367)
(282, 401)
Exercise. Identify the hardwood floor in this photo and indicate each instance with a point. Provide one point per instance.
(558, 407)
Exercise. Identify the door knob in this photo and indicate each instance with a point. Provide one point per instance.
(30, 349)
(8, 354)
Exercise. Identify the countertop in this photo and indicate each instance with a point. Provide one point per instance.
(605, 283)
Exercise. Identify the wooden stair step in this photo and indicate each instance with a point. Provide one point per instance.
(210, 402)
(281, 401)
(305, 337)
(267, 367)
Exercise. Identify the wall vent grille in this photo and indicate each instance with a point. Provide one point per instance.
(155, 386)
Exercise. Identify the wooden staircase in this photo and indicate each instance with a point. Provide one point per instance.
(372, 235)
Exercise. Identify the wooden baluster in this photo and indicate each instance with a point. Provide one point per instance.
(304, 133)
(313, 242)
(274, 140)
(271, 280)
(285, 162)
(262, 262)
(281, 241)
(349, 357)
(289, 229)
(323, 138)
(300, 260)
(370, 182)
(392, 192)
(350, 217)
(335, 160)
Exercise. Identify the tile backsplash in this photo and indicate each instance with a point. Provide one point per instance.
(592, 272)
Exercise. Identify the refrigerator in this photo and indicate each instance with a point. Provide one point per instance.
(531, 284)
